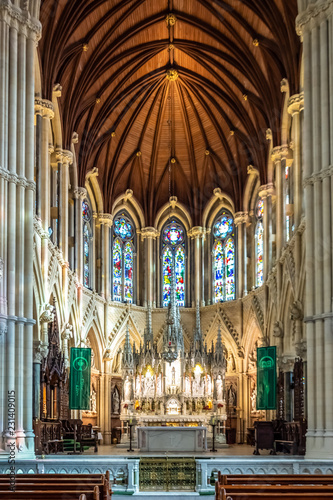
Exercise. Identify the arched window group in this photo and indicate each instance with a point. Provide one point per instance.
(87, 238)
(123, 259)
(173, 254)
(223, 258)
(259, 241)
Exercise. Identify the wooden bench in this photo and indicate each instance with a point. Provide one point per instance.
(73, 484)
(288, 487)
(60, 494)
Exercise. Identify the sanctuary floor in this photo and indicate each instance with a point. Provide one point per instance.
(234, 450)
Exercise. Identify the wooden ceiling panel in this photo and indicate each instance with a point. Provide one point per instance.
(112, 57)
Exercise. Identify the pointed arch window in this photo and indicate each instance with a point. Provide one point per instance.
(259, 241)
(223, 258)
(123, 254)
(173, 253)
(87, 243)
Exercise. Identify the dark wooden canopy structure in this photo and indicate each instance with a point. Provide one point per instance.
(170, 95)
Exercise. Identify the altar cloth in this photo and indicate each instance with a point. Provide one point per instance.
(172, 438)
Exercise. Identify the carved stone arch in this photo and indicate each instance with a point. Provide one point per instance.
(178, 211)
(129, 203)
(288, 323)
(251, 191)
(217, 202)
(119, 337)
(93, 337)
(227, 338)
(251, 336)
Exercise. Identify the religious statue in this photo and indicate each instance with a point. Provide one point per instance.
(219, 388)
(232, 396)
(93, 401)
(127, 389)
(115, 401)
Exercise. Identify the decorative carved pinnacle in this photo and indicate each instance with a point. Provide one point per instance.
(269, 135)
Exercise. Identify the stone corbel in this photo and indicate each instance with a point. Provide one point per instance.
(278, 329)
(241, 218)
(57, 90)
(106, 219)
(280, 153)
(149, 232)
(301, 349)
(80, 193)
(44, 108)
(47, 313)
(64, 156)
(296, 311)
(67, 334)
(107, 355)
(196, 232)
(266, 190)
(251, 170)
(173, 201)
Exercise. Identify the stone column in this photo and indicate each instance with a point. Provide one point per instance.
(295, 106)
(197, 235)
(266, 192)
(38, 357)
(240, 220)
(315, 25)
(65, 336)
(149, 234)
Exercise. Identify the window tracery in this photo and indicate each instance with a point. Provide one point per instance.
(259, 239)
(87, 238)
(123, 260)
(224, 258)
(173, 253)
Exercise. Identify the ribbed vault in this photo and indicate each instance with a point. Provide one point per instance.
(112, 57)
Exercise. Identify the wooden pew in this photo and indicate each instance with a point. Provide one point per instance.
(74, 484)
(61, 494)
(226, 495)
(275, 479)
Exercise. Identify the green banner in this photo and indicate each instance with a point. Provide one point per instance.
(266, 378)
(79, 385)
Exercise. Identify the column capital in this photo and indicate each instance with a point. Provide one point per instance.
(314, 10)
(80, 193)
(149, 232)
(296, 103)
(241, 218)
(280, 153)
(20, 19)
(106, 219)
(266, 190)
(196, 232)
(251, 170)
(64, 156)
(44, 108)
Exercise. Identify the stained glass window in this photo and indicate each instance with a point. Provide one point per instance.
(86, 214)
(173, 234)
(167, 264)
(173, 253)
(224, 259)
(86, 255)
(180, 276)
(123, 260)
(128, 261)
(259, 239)
(229, 269)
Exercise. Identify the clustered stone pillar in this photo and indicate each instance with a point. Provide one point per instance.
(315, 25)
(241, 219)
(149, 234)
(197, 235)
(19, 32)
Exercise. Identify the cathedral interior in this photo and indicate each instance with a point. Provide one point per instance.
(166, 201)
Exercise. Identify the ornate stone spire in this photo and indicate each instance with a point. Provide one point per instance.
(219, 360)
(127, 361)
(198, 350)
(148, 339)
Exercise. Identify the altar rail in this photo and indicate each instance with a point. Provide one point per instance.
(124, 472)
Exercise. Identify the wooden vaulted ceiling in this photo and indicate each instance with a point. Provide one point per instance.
(112, 57)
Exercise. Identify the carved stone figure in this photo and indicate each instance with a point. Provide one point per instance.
(219, 388)
(127, 389)
(278, 329)
(115, 401)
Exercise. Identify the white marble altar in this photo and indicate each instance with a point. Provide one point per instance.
(172, 438)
